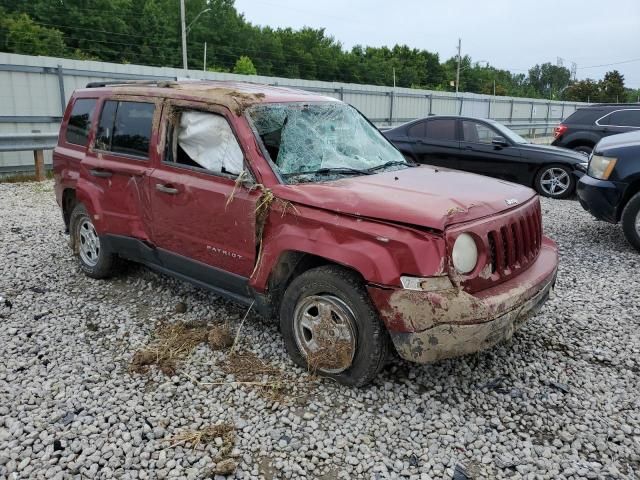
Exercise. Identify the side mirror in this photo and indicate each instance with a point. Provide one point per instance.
(500, 141)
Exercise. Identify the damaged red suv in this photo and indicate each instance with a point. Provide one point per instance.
(294, 203)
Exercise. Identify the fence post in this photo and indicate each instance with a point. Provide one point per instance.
(38, 158)
(461, 101)
(562, 113)
(511, 112)
(342, 94)
(489, 112)
(430, 103)
(391, 108)
(63, 101)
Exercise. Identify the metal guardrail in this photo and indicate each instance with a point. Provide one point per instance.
(37, 142)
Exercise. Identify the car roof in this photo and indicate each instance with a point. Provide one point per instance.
(237, 96)
(615, 106)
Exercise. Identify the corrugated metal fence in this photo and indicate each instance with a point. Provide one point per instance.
(34, 92)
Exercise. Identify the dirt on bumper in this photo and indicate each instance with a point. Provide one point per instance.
(430, 326)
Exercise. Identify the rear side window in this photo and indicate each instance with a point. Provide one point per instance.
(441, 129)
(622, 118)
(80, 121)
(418, 130)
(125, 127)
(584, 116)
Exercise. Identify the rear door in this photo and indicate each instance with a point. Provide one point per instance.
(118, 165)
(436, 142)
(203, 217)
(479, 155)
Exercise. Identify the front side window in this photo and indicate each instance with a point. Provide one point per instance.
(125, 127)
(203, 140)
(80, 121)
(441, 129)
(310, 142)
(477, 132)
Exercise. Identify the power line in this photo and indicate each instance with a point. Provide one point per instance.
(611, 64)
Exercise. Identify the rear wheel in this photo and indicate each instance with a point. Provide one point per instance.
(94, 260)
(583, 148)
(631, 221)
(330, 326)
(555, 181)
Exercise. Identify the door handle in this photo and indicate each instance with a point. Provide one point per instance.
(100, 173)
(468, 147)
(166, 189)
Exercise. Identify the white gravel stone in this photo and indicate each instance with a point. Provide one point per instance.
(559, 401)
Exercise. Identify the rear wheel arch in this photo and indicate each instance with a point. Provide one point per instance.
(583, 142)
(69, 201)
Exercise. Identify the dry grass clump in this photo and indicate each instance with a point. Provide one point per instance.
(171, 344)
(220, 337)
(332, 355)
(246, 366)
(206, 435)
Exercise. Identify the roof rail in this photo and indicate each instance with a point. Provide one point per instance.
(126, 82)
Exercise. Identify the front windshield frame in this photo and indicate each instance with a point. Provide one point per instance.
(508, 133)
(399, 161)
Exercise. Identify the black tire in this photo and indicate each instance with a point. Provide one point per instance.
(583, 148)
(98, 263)
(631, 221)
(371, 337)
(543, 175)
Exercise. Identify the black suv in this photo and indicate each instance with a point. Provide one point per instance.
(610, 190)
(586, 126)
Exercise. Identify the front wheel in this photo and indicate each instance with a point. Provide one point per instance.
(330, 326)
(555, 181)
(631, 221)
(94, 260)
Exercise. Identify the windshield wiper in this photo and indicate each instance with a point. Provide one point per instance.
(390, 164)
(330, 170)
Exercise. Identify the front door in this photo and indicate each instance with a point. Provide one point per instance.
(478, 153)
(203, 217)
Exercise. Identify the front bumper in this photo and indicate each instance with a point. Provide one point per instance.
(430, 326)
(600, 198)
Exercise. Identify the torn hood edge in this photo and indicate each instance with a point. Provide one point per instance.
(425, 196)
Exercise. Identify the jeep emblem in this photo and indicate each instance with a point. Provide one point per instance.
(511, 201)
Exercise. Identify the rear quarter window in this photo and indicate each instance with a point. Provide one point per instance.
(622, 118)
(80, 121)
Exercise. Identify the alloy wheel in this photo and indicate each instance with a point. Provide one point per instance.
(89, 243)
(555, 181)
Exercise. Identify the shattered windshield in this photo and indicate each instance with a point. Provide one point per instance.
(322, 141)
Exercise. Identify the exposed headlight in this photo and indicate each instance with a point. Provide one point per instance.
(465, 253)
(601, 167)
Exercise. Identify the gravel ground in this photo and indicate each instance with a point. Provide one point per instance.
(559, 401)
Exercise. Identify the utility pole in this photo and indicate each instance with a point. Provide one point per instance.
(204, 63)
(184, 37)
(458, 70)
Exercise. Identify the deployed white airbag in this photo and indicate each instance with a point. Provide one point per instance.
(207, 138)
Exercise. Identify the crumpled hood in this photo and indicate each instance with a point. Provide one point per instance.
(424, 196)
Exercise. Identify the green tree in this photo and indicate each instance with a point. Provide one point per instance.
(583, 91)
(612, 87)
(22, 35)
(244, 66)
(549, 80)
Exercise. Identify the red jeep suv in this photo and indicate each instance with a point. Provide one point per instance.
(295, 204)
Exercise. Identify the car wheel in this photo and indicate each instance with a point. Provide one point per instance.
(631, 221)
(330, 326)
(94, 260)
(555, 181)
(583, 148)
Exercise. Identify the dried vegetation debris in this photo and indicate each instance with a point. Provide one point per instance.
(223, 435)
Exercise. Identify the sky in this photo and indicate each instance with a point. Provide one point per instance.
(509, 34)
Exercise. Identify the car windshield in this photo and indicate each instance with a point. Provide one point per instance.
(311, 142)
(508, 133)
